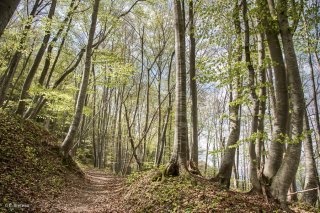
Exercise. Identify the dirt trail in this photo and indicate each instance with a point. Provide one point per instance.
(99, 192)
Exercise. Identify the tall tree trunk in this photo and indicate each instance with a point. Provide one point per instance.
(67, 143)
(315, 96)
(227, 163)
(118, 145)
(311, 179)
(7, 8)
(293, 188)
(163, 137)
(167, 118)
(262, 95)
(178, 159)
(254, 124)
(95, 138)
(193, 89)
(207, 154)
(28, 81)
(159, 141)
(281, 112)
(114, 129)
(286, 173)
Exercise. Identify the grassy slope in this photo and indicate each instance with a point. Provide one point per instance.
(31, 166)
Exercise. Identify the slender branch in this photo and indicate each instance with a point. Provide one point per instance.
(303, 191)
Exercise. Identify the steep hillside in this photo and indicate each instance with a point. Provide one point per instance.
(31, 166)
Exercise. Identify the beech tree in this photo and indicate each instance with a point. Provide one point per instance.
(228, 159)
(68, 141)
(178, 161)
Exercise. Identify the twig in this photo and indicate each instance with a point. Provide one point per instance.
(303, 191)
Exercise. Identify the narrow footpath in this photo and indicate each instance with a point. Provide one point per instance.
(99, 192)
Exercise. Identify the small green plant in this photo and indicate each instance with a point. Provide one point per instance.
(133, 177)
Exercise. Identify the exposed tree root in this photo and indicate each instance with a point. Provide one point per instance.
(224, 182)
(193, 169)
(172, 169)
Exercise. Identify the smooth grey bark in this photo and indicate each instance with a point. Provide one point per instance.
(167, 119)
(106, 129)
(311, 179)
(131, 140)
(284, 177)
(67, 143)
(236, 172)
(193, 88)
(163, 137)
(114, 129)
(293, 188)
(28, 81)
(178, 161)
(207, 154)
(170, 103)
(281, 112)
(118, 144)
(159, 141)
(314, 95)
(130, 124)
(256, 186)
(144, 145)
(262, 100)
(94, 136)
(225, 169)
(7, 8)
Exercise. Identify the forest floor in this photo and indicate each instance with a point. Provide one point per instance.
(98, 192)
(102, 192)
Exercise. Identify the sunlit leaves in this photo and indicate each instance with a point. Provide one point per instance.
(117, 71)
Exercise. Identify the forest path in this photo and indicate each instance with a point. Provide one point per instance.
(99, 192)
